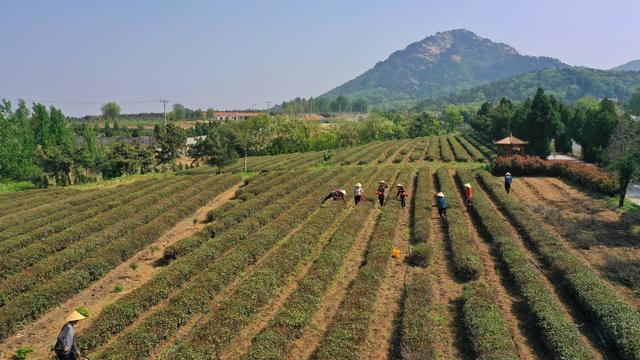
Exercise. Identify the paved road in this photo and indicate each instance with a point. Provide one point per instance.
(633, 193)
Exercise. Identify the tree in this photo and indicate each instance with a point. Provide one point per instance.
(501, 118)
(216, 149)
(423, 124)
(597, 129)
(57, 162)
(563, 141)
(634, 103)
(110, 110)
(252, 136)
(171, 139)
(340, 104)
(198, 114)
(360, 105)
(543, 122)
(211, 113)
(623, 154)
(452, 118)
(178, 111)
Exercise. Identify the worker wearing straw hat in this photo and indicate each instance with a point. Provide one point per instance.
(507, 182)
(468, 194)
(402, 194)
(442, 205)
(382, 187)
(337, 194)
(66, 347)
(358, 193)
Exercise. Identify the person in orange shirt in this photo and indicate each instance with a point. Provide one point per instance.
(468, 194)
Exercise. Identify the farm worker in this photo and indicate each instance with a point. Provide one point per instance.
(382, 187)
(358, 193)
(402, 194)
(442, 205)
(66, 347)
(468, 194)
(507, 182)
(337, 194)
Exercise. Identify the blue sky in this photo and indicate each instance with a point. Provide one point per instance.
(233, 54)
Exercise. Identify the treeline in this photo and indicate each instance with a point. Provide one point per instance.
(324, 105)
(42, 146)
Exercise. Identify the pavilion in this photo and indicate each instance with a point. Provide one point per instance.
(510, 146)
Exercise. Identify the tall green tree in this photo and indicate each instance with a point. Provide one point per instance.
(340, 104)
(252, 136)
(360, 105)
(452, 118)
(171, 139)
(562, 140)
(110, 111)
(543, 122)
(597, 130)
(623, 154)
(634, 103)
(216, 149)
(178, 111)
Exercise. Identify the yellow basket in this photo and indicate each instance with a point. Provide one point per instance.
(395, 253)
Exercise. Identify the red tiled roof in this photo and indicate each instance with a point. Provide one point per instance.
(510, 140)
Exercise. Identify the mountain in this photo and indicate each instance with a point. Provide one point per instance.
(444, 63)
(630, 66)
(568, 84)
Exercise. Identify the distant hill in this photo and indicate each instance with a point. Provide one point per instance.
(568, 84)
(444, 63)
(630, 66)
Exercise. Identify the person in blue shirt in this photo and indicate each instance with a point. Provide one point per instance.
(66, 347)
(442, 205)
(507, 182)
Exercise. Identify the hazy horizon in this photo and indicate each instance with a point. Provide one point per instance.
(77, 55)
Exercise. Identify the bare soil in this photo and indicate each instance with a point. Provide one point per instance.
(40, 335)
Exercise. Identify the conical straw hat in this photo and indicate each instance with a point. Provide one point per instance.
(508, 174)
(399, 185)
(344, 192)
(75, 316)
(358, 185)
(440, 194)
(467, 185)
(382, 182)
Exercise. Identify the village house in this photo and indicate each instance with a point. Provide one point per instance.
(234, 115)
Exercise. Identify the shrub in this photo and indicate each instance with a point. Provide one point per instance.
(432, 150)
(22, 353)
(445, 150)
(83, 311)
(587, 175)
(420, 255)
(118, 288)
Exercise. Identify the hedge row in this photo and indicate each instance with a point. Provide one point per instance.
(373, 154)
(617, 321)
(446, 154)
(29, 255)
(231, 217)
(28, 306)
(418, 150)
(466, 261)
(587, 175)
(485, 149)
(219, 328)
(433, 149)
(487, 329)
(419, 322)
(165, 321)
(238, 243)
(459, 152)
(345, 337)
(95, 244)
(476, 154)
(37, 200)
(27, 234)
(50, 209)
(276, 340)
(559, 333)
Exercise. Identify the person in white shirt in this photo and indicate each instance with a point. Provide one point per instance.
(358, 193)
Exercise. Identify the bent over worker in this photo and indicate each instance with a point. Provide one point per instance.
(468, 194)
(66, 347)
(507, 182)
(402, 194)
(382, 187)
(337, 194)
(442, 205)
(358, 193)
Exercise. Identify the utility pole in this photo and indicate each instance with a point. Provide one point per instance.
(268, 107)
(164, 108)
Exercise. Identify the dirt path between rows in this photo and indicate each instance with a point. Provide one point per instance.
(331, 300)
(389, 160)
(40, 335)
(380, 331)
(242, 343)
(446, 289)
(542, 194)
(585, 329)
(528, 346)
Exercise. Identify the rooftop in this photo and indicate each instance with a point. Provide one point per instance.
(510, 140)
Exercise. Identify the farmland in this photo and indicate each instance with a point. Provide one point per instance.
(210, 264)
